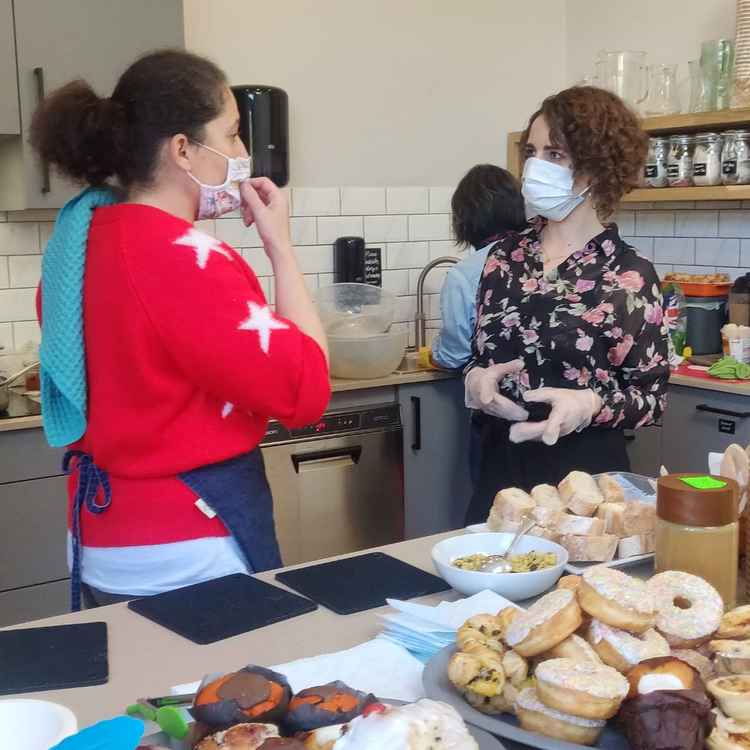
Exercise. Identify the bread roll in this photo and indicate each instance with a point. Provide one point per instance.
(580, 493)
(549, 518)
(638, 518)
(610, 489)
(640, 544)
(544, 533)
(589, 548)
(579, 525)
(612, 514)
(513, 504)
(547, 496)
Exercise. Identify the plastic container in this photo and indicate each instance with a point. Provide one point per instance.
(35, 725)
(697, 529)
(349, 309)
(367, 356)
(705, 318)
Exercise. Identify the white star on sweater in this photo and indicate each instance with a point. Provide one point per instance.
(203, 245)
(261, 320)
(227, 409)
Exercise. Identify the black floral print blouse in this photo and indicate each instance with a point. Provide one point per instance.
(595, 321)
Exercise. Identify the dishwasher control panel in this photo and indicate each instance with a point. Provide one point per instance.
(334, 423)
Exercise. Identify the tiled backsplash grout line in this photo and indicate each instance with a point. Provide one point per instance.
(410, 224)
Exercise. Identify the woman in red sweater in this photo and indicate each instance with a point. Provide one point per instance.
(184, 360)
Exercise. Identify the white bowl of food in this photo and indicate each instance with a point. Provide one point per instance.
(454, 557)
(35, 725)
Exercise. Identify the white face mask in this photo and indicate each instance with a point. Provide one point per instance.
(548, 190)
(217, 200)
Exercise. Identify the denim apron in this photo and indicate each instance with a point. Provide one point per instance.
(236, 490)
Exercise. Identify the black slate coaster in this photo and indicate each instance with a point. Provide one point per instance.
(53, 658)
(224, 607)
(354, 584)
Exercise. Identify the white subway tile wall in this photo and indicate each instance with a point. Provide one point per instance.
(410, 224)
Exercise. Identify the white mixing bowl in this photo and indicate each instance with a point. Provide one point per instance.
(513, 586)
(35, 725)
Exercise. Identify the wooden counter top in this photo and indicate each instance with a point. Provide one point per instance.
(146, 659)
(337, 386)
(722, 386)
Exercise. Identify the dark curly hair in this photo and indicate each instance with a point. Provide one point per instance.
(487, 201)
(91, 138)
(603, 137)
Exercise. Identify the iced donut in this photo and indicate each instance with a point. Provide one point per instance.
(616, 599)
(575, 648)
(534, 716)
(547, 622)
(689, 609)
(581, 688)
(623, 650)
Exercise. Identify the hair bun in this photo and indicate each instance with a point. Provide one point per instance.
(81, 133)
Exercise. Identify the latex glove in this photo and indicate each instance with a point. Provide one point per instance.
(481, 390)
(572, 411)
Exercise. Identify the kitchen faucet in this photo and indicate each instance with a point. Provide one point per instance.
(420, 321)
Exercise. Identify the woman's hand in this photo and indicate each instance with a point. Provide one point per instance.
(572, 411)
(481, 389)
(264, 205)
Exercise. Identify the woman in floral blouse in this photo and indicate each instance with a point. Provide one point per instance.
(570, 348)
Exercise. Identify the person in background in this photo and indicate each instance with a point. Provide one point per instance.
(486, 203)
(570, 347)
(161, 361)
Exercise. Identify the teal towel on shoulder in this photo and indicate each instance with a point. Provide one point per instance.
(62, 351)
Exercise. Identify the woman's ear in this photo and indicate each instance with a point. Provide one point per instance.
(177, 151)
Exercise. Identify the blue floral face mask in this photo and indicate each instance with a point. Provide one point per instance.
(217, 200)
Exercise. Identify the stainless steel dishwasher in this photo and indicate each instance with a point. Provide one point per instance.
(337, 485)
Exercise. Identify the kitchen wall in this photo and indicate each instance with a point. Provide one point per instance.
(390, 92)
(410, 224)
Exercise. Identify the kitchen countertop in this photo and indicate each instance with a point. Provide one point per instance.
(337, 386)
(146, 659)
(722, 386)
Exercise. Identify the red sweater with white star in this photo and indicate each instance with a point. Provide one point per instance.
(185, 364)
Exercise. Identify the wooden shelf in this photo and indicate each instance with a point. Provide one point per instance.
(725, 119)
(716, 193)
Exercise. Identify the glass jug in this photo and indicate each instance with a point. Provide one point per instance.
(625, 75)
(662, 96)
(699, 93)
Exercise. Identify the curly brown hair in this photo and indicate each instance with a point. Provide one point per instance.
(603, 137)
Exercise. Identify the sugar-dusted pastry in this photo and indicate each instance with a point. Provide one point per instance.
(700, 663)
(735, 624)
(623, 650)
(580, 493)
(617, 600)
(610, 488)
(547, 622)
(535, 716)
(576, 648)
(580, 688)
(689, 609)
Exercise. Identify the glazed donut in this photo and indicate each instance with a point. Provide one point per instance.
(547, 622)
(616, 599)
(534, 716)
(575, 648)
(483, 630)
(623, 650)
(689, 609)
(581, 688)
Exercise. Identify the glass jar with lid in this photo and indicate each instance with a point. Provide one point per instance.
(655, 171)
(697, 529)
(735, 158)
(680, 162)
(707, 159)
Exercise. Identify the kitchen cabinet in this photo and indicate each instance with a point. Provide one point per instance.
(33, 504)
(644, 450)
(10, 123)
(57, 42)
(437, 486)
(699, 421)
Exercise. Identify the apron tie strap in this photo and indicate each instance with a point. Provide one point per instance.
(93, 491)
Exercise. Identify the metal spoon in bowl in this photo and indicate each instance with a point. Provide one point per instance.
(500, 563)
